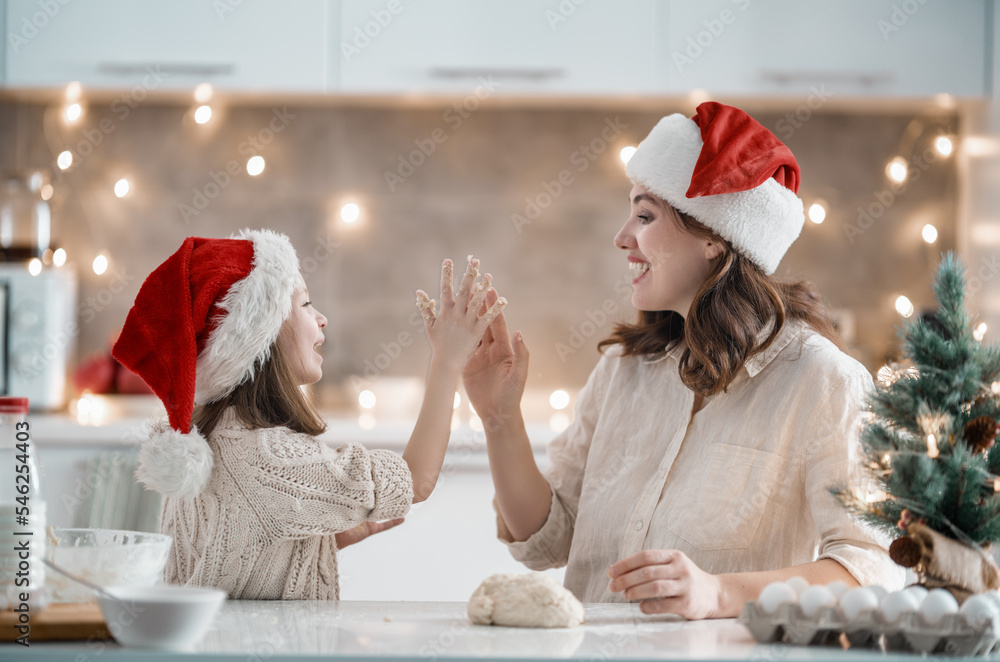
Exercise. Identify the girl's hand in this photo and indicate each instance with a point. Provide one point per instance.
(667, 582)
(363, 530)
(496, 372)
(455, 331)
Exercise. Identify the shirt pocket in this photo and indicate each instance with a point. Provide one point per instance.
(720, 505)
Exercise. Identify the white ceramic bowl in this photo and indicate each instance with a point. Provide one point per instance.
(170, 617)
(106, 557)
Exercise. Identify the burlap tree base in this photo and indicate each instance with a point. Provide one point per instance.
(941, 562)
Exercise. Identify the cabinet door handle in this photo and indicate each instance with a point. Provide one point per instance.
(132, 69)
(459, 73)
(871, 79)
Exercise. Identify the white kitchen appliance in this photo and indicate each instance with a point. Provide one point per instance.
(38, 333)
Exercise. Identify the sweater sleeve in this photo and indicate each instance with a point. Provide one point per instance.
(829, 461)
(311, 489)
(549, 546)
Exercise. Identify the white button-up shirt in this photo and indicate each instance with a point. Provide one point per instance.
(741, 486)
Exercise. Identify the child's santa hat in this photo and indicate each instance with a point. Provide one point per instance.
(202, 323)
(728, 172)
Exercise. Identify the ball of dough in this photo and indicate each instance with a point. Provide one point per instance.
(533, 600)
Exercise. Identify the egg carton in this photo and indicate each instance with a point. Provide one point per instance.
(952, 636)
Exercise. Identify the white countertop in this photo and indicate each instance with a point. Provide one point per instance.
(247, 630)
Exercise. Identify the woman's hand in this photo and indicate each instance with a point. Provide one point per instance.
(363, 530)
(667, 582)
(457, 328)
(497, 371)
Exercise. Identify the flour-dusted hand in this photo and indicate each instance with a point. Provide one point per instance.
(497, 371)
(666, 581)
(457, 328)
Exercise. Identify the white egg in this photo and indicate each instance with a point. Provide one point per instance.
(838, 588)
(896, 604)
(776, 594)
(858, 600)
(815, 598)
(798, 584)
(979, 610)
(938, 604)
(879, 592)
(919, 592)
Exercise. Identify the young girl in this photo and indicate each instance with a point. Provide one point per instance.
(696, 471)
(224, 333)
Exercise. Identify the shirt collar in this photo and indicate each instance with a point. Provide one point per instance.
(789, 331)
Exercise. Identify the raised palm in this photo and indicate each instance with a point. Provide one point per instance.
(496, 372)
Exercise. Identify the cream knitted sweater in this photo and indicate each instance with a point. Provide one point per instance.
(263, 528)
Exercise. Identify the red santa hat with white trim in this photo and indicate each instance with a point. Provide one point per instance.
(201, 325)
(726, 170)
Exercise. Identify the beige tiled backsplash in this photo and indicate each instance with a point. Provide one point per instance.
(536, 193)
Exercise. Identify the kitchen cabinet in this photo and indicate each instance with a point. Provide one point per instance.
(524, 46)
(246, 45)
(819, 50)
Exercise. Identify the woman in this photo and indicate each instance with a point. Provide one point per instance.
(696, 471)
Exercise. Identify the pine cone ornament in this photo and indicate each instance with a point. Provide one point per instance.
(980, 434)
(905, 551)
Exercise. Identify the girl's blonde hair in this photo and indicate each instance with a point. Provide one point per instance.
(734, 304)
(270, 399)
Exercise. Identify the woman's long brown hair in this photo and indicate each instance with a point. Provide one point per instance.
(270, 399)
(734, 304)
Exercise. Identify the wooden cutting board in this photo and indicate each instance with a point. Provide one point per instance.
(59, 622)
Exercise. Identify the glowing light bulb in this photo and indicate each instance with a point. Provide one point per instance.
(122, 187)
(34, 266)
(897, 170)
(47, 192)
(932, 449)
(995, 387)
(366, 399)
(65, 159)
(202, 114)
(203, 93)
(626, 153)
(73, 112)
(458, 400)
(943, 145)
(100, 264)
(904, 306)
(979, 332)
(255, 165)
(558, 422)
(350, 213)
(59, 257)
(996, 484)
(817, 213)
(929, 233)
(559, 399)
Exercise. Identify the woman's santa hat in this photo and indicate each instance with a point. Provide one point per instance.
(202, 323)
(728, 172)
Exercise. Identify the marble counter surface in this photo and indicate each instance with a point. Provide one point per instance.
(250, 631)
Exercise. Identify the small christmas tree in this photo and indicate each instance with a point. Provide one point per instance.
(930, 448)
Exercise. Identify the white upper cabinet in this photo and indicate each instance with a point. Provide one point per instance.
(892, 48)
(526, 46)
(247, 45)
